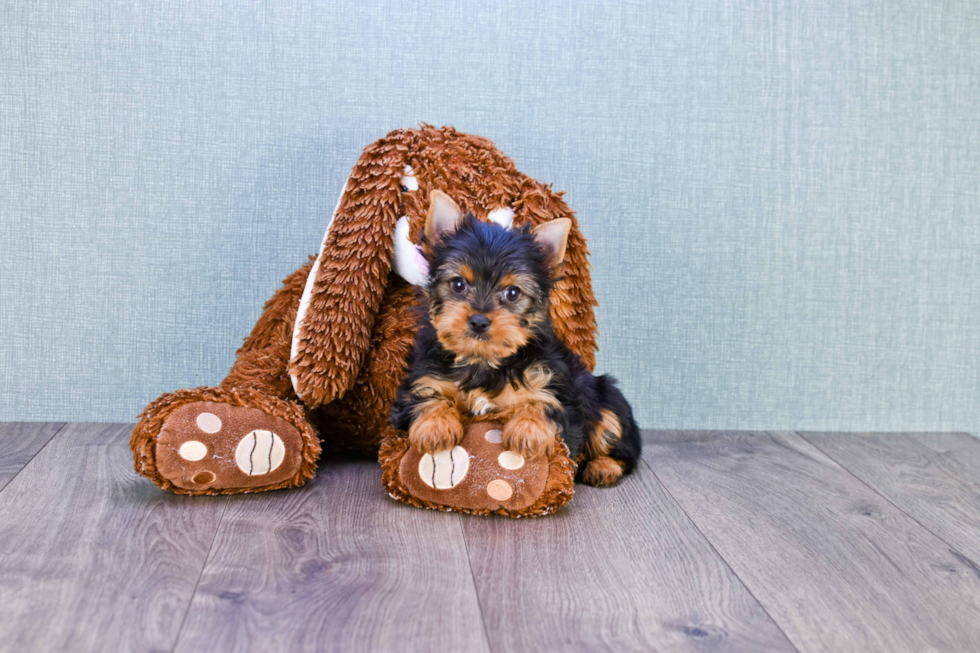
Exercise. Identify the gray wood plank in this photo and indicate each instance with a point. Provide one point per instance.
(958, 452)
(620, 569)
(93, 557)
(936, 490)
(19, 442)
(335, 566)
(836, 565)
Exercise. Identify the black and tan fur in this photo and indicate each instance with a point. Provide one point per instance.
(487, 347)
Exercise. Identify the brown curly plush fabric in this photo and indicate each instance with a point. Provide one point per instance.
(359, 326)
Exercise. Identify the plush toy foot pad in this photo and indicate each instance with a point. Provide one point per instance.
(213, 446)
(478, 475)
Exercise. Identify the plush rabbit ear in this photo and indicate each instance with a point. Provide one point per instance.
(443, 218)
(553, 236)
(346, 286)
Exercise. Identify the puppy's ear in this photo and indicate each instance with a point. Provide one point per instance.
(553, 236)
(443, 218)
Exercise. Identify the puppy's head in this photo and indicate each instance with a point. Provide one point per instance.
(488, 286)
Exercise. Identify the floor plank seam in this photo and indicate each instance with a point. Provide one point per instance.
(207, 558)
(63, 426)
(476, 592)
(953, 549)
(721, 557)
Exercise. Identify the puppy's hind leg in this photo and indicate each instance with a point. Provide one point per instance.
(612, 447)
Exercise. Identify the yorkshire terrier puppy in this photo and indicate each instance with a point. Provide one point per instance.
(487, 347)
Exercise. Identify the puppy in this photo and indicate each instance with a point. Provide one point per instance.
(487, 347)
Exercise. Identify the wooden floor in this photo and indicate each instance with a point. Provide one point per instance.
(720, 542)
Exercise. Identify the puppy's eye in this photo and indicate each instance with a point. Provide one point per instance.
(512, 294)
(458, 284)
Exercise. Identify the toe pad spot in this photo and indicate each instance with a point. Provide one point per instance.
(203, 478)
(510, 460)
(193, 450)
(500, 490)
(209, 422)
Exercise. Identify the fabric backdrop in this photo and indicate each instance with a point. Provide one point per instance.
(782, 199)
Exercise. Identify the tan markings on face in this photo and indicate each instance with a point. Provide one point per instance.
(528, 286)
(506, 331)
(602, 472)
(505, 336)
(604, 435)
(466, 272)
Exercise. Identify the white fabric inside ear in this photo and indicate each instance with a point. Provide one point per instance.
(409, 263)
(409, 182)
(504, 216)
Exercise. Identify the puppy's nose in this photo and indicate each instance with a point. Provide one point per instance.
(479, 323)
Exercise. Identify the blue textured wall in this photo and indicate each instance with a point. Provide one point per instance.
(782, 198)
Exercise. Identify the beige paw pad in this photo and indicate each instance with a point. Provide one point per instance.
(260, 452)
(209, 446)
(495, 436)
(209, 422)
(193, 450)
(500, 490)
(510, 460)
(445, 469)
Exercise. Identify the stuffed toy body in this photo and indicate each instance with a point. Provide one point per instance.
(321, 367)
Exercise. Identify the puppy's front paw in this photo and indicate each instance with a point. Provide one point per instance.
(530, 436)
(436, 431)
